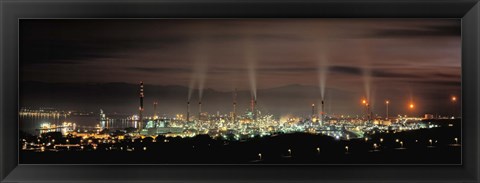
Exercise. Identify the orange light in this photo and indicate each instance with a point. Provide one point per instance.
(411, 106)
(364, 101)
(454, 98)
(387, 102)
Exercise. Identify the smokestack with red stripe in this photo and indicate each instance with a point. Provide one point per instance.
(140, 109)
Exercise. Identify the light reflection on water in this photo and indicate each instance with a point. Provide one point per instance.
(29, 123)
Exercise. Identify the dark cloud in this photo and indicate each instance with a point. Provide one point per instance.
(380, 73)
(149, 69)
(447, 75)
(383, 74)
(442, 83)
(77, 41)
(283, 70)
(255, 36)
(346, 70)
(265, 70)
(425, 31)
(78, 50)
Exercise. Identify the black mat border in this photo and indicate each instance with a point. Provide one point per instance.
(11, 11)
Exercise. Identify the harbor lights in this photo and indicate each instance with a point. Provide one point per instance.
(346, 149)
(289, 152)
(318, 149)
(259, 156)
(456, 140)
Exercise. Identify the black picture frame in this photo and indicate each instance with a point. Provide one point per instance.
(13, 10)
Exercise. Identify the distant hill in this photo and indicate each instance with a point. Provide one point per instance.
(123, 98)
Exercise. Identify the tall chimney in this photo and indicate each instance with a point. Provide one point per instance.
(188, 111)
(140, 109)
(234, 106)
(199, 110)
(313, 112)
(155, 115)
(253, 104)
(323, 112)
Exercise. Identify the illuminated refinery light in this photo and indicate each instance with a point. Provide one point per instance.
(264, 125)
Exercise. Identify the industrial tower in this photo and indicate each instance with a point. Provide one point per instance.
(140, 109)
(234, 116)
(323, 113)
(188, 110)
(155, 114)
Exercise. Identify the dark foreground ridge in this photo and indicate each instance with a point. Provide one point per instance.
(425, 146)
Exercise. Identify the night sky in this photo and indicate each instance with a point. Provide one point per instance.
(284, 61)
